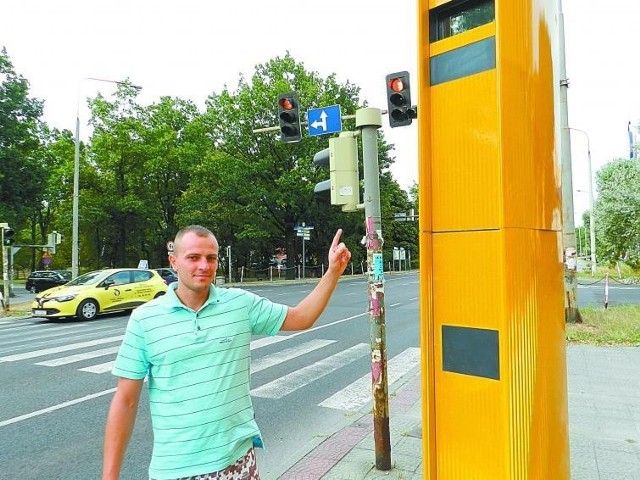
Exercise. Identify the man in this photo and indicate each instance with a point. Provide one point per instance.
(193, 346)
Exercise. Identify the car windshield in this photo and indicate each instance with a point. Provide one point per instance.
(66, 274)
(89, 278)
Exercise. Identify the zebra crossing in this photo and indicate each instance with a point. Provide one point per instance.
(93, 351)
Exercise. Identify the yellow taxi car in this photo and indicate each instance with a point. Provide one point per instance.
(101, 291)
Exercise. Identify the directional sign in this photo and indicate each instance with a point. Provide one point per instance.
(324, 120)
(303, 227)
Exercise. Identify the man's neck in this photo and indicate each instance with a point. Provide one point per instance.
(191, 299)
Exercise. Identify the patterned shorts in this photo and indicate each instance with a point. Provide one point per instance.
(244, 469)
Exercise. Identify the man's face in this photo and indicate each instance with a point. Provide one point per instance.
(195, 258)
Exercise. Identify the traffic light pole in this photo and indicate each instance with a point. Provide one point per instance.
(368, 120)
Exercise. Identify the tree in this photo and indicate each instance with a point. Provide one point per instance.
(53, 210)
(174, 144)
(147, 171)
(617, 212)
(21, 172)
(113, 212)
(264, 185)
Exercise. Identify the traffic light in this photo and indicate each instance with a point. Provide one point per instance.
(54, 238)
(344, 181)
(8, 237)
(400, 111)
(289, 117)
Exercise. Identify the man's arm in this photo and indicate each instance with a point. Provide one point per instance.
(120, 421)
(304, 315)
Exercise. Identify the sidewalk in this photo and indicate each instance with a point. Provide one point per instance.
(20, 302)
(604, 426)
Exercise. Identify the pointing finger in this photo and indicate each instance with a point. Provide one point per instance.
(336, 239)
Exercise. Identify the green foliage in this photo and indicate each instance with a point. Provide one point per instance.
(149, 170)
(22, 171)
(617, 212)
(280, 177)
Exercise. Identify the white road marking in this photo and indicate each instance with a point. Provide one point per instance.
(99, 368)
(41, 334)
(263, 342)
(355, 395)
(288, 354)
(78, 357)
(298, 379)
(63, 348)
(38, 353)
(53, 408)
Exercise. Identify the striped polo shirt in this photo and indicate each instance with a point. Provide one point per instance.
(198, 372)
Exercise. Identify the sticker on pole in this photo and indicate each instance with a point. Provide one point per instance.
(378, 265)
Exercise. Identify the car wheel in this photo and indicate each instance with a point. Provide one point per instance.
(87, 309)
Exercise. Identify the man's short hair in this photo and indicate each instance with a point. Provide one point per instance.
(199, 230)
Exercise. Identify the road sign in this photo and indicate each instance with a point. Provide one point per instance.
(170, 246)
(324, 120)
(303, 227)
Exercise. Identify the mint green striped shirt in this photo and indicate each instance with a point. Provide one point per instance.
(198, 371)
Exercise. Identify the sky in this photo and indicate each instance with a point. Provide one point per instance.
(191, 48)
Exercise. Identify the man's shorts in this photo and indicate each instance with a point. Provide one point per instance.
(244, 469)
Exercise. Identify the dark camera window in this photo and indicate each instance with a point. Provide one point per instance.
(458, 17)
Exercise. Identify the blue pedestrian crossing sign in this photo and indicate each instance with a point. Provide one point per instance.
(324, 120)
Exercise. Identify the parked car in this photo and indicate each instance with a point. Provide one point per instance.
(101, 291)
(40, 280)
(169, 275)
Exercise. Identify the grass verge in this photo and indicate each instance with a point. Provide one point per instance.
(618, 325)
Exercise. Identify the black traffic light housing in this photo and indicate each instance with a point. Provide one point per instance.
(8, 237)
(399, 107)
(289, 117)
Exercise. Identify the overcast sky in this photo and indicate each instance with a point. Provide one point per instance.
(191, 48)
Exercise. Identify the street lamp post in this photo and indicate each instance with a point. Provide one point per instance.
(76, 179)
(592, 223)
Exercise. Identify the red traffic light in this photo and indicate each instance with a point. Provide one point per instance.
(289, 117)
(396, 84)
(399, 99)
(287, 103)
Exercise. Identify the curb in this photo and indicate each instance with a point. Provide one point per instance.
(320, 458)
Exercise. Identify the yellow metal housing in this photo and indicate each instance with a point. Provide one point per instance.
(492, 309)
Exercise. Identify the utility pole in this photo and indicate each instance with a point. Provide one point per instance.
(368, 120)
(342, 158)
(571, 312)
(5, 267)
